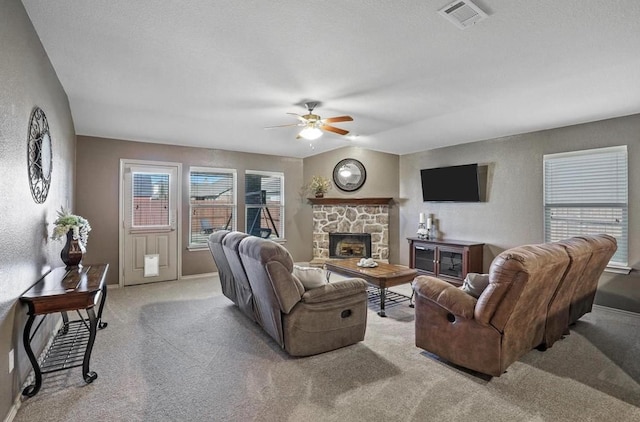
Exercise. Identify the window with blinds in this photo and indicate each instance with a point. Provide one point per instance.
(264, 202)
(212, 203)
(585, 192)
(150, 200)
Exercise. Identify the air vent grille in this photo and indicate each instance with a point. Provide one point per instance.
(463, 13)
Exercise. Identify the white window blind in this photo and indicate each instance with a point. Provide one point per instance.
(212, 202)
(150, 200)
(585, 192)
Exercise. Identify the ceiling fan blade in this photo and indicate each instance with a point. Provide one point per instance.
(334, 129)
(338, 119)
(277, 126)
(299, 117)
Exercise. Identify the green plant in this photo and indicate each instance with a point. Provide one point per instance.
(78, 225)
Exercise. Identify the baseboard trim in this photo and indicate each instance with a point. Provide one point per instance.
(192, 276)
(13, 410)
(616, 310)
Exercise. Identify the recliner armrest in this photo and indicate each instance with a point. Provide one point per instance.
(335, 290)
(446, 295)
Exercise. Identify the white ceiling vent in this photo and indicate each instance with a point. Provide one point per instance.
(462, 13)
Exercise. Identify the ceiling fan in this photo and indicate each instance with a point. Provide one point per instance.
(313, 125)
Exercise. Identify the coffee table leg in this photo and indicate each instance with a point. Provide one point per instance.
(383, 296)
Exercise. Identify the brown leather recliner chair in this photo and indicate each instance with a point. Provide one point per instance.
(302, 322)
(508, 319)
(603, 248)
(557, 323)
(588, 256)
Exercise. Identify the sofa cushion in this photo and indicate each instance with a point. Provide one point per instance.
(474, 284)
(335, 291)
(310, 277)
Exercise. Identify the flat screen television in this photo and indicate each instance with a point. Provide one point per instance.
(450, 184)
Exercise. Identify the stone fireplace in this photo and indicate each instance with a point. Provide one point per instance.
(350, 216)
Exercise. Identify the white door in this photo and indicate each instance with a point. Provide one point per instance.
(149, 231)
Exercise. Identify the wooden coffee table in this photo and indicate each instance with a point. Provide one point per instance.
(383, 276)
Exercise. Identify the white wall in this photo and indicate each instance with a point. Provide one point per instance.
(27, 79)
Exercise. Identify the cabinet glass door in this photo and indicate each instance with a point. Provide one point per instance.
(451, 264)
(424, 258)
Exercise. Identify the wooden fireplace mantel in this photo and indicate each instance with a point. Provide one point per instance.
(350, 201)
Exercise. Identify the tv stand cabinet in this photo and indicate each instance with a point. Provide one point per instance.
(450, 260)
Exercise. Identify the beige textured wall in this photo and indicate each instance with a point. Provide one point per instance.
(513, 213)
(97, 194)
(27, 79)
(382, 181)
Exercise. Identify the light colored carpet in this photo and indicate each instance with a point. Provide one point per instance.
(179, 351)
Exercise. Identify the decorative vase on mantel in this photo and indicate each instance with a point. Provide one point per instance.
(319, 194)
(72, 252)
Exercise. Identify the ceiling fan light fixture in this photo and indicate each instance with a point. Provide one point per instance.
(310, 133)
(313, 126)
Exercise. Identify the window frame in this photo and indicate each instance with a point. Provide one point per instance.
(281, 229)
(590, 216)
(193, 207)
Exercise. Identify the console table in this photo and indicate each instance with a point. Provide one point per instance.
(450, 260)
(63, 290)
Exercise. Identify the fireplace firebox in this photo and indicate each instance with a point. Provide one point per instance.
(349, 245)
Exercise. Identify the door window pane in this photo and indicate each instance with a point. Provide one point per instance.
(150, 199)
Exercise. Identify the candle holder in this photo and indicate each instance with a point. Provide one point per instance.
(431, 230)
(423, 232)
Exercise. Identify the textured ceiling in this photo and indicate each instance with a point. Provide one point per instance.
(214, 73)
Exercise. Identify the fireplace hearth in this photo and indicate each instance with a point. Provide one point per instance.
(349, 245)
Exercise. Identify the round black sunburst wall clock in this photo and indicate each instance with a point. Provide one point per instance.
(349, 175)
(39, 155)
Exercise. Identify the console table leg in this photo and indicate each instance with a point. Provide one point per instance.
(31, 390)
(101, 324)
(90, 376)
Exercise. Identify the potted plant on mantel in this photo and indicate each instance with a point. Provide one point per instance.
(319, 185)
(75, 229)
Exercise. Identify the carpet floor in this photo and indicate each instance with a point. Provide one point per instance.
(179, 351)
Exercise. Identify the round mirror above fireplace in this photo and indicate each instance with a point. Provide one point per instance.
(349, 175)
